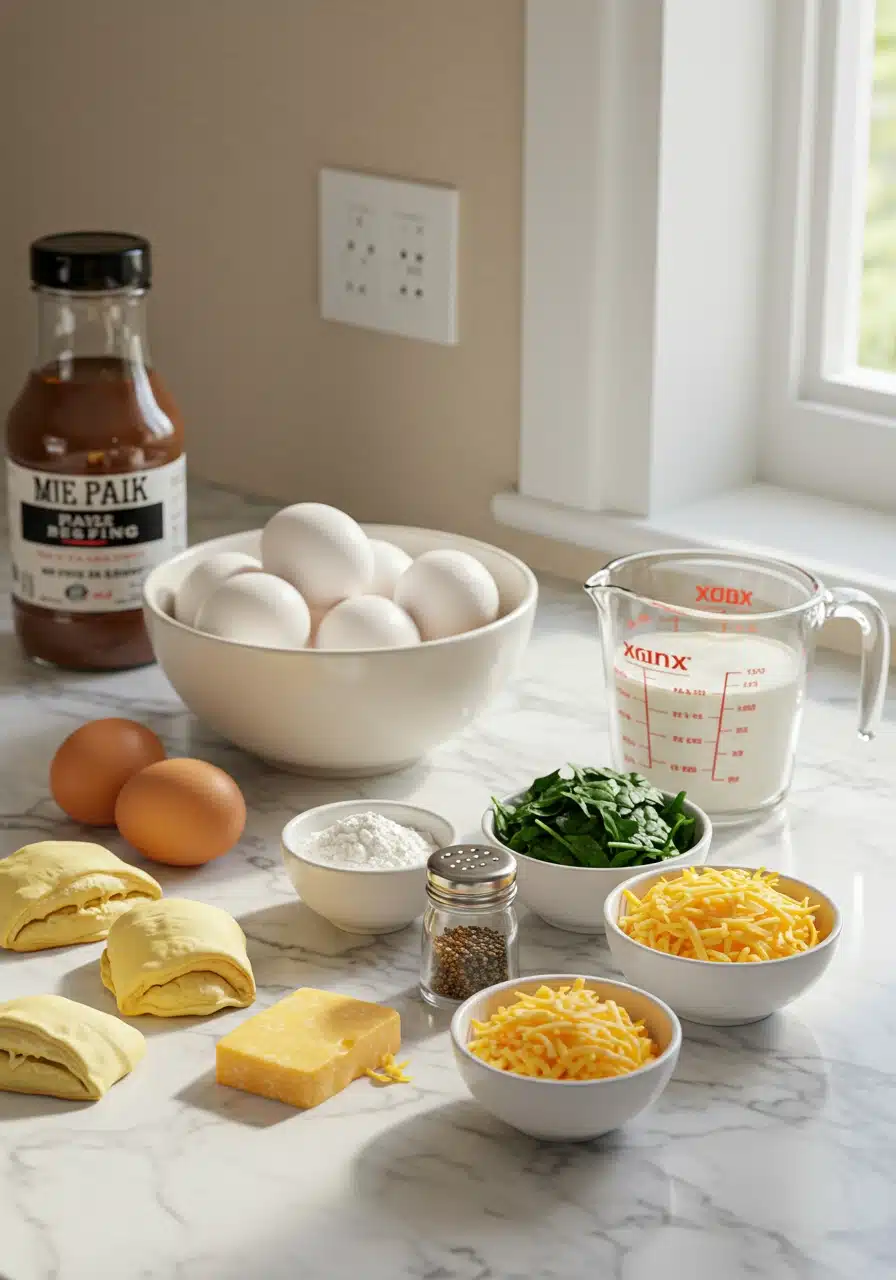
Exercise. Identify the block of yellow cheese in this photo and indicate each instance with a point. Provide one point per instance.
(308, 1047)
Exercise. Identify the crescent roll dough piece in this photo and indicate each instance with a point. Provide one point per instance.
(177, 957)
(56, 1046)
(59, 892)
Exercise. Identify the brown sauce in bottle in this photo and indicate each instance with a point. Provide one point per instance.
(92, 423)
(95, 454)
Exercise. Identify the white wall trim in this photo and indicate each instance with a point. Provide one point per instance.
(589, 212)
(830, 432)
(715, 173)
(665, 186)
(662, 181)
(843, 545)
(641, 329)
(557, 304)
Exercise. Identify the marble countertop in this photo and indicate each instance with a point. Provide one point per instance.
(771, 1154)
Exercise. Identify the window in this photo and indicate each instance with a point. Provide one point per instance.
(830, 417)
(877, 315)
(709, 347)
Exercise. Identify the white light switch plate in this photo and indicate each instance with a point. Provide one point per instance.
(388, 255)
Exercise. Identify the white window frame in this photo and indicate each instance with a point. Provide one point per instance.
(673, 213)
(828, 425)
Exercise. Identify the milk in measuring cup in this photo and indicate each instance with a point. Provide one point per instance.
(713, 713)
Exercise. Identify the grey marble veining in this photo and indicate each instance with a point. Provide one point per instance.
(770, 1155)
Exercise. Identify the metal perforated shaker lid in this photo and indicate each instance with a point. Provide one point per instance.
(474, 874)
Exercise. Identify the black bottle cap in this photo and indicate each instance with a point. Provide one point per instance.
(91, 261)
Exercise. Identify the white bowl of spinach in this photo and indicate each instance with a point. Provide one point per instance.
(579, 832)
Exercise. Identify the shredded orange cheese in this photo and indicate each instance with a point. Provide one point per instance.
(390, 1071)
(723, 914)
(562, 1033)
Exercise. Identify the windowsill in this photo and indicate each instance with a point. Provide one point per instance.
(841, 544)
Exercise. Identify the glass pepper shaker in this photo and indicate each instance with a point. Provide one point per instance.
(470, 927)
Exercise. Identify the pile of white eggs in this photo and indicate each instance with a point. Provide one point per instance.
(322, 583)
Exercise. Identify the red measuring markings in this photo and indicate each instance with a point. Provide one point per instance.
(686, 734)
(719, 729)
(730, 622)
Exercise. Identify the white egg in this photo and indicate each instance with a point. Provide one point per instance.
(389, 563)
(258, 609)
(367, 622)
(321, 551)
(447, 593)
(205, 577)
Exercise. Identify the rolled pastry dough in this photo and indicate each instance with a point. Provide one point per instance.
(56, 1046)
(59, 892)
(177, 957)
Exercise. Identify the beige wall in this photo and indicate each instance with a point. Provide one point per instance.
(203, 124)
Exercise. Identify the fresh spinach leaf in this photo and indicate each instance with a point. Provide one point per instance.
(580, 816)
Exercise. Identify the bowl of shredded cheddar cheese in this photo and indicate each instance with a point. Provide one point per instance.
(722, 945)
(565, 1057)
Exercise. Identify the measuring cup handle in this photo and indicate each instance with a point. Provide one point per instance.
(858, 606)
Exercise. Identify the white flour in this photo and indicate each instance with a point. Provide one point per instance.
(368, 841)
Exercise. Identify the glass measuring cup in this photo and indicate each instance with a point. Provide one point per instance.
(705, 656)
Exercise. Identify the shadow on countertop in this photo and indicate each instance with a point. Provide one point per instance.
(205, 1094)
(35, 1106)
(419, 1021)
(458, 1155)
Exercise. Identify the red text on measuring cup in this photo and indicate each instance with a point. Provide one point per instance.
(657, 657)
(724, 595)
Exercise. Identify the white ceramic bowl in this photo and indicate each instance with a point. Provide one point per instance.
(722, 995)
(573, 898)
(348, 713)
(567, 1110)
(359, 900)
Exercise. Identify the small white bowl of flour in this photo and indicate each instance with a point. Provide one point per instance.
(362, 863)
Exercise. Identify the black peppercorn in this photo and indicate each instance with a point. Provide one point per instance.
(468, 882)
(466, 959)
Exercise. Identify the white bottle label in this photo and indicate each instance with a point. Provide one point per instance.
(84, 544)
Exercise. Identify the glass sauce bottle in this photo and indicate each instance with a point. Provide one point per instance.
(95, 461)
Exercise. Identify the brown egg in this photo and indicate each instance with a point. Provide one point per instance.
(183, 812)
(93, 764)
